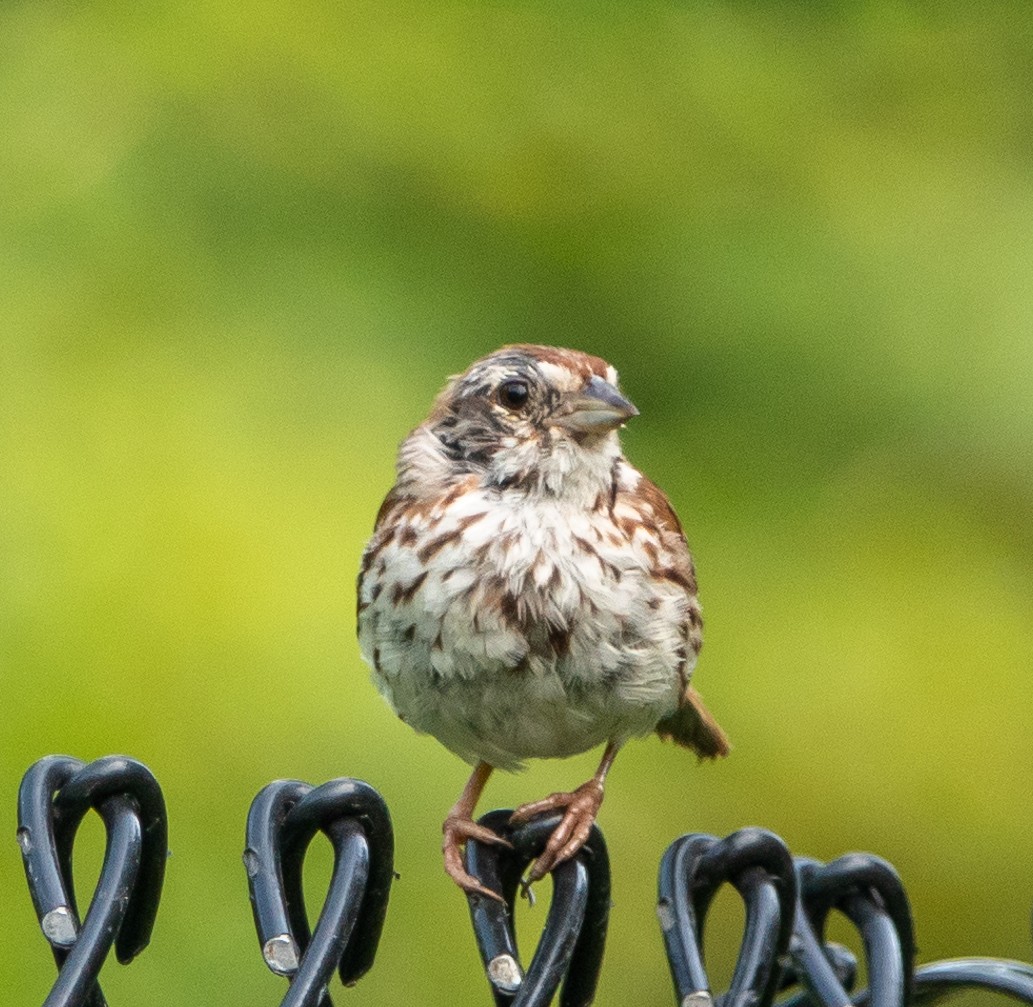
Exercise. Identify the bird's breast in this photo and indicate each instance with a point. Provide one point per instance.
(486, 586)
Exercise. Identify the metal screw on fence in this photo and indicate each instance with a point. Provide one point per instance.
(283, 820)
(758, 865)
(574, 938)
(55, 795)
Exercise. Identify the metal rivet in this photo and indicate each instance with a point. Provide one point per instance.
(59, 927)
(281, 954)
(505, 974)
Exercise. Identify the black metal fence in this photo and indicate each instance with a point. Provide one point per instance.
(783, 956)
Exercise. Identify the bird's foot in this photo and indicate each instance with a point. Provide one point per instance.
(582, 807)
(456, 831)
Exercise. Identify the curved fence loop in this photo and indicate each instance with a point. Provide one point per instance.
(783, 944)
(55, 795)
(573, 940)
(869, 892)
(844, 971)
(52, 894)
(938, 982)
(758, 865)
(118, 776)
(283, 819)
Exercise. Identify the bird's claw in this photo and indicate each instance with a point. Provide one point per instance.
(581, 809)
(456, 831)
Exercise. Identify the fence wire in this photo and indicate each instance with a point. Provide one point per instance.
(783, 958)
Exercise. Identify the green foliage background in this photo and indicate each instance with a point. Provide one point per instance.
(241, 246)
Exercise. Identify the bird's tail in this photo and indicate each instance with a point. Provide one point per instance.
(693, 726)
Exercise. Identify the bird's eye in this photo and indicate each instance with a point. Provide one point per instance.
(514, 394)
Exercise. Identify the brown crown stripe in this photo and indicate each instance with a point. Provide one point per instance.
(574, 360)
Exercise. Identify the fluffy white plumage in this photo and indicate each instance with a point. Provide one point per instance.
(512, 608)
(453, 663)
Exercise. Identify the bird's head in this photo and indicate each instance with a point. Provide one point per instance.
(533, 417)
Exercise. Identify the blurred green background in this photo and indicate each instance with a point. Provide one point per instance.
(241, 246)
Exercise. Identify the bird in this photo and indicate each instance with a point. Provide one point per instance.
(527, 593)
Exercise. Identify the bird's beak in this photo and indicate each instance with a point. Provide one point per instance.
(596, 409)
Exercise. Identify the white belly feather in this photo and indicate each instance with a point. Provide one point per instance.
(512, 630)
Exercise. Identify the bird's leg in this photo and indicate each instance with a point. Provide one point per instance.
(459, 826)
(582, 807)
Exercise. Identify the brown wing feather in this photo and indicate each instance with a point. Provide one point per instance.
(691, 725)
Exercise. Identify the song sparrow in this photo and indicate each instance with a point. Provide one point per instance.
(527, 593)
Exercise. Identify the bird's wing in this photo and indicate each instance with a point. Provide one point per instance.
(691, 725)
